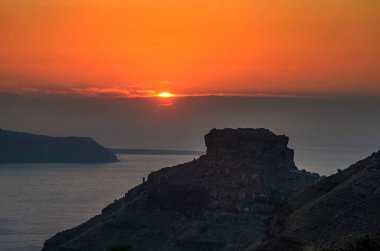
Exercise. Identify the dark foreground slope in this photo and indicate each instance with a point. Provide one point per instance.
(18, 147)
(343, 205)
(221, 201)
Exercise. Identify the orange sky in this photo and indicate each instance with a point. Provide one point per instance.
(191, 46)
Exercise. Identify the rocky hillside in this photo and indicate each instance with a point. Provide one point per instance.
(18, 147)
(221, 201)
(344, 205)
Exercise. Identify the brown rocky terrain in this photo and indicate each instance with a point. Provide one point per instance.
(222, 201)
(344, 205)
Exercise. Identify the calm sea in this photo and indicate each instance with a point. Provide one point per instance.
(39, 200)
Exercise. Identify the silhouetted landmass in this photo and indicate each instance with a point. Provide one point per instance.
(153, 152)
(343, 205)
(16, 147)
(220, 201)
(245, 194)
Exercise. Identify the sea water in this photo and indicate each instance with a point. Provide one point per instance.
(39, 200)
(326, 161)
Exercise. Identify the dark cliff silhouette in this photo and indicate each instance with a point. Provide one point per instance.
(221, 201)
(16, 147)
(245, 194)
(340, 207)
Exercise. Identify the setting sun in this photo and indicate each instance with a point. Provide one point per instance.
(165, 95)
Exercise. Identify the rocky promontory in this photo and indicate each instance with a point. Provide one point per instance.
(16, 147)
(221, 201)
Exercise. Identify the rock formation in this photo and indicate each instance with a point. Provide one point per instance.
(18, 147)
(344, 205)
(221, 201)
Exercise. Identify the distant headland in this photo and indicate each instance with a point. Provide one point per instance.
(17, 147)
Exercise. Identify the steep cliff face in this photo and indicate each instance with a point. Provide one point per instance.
(249, 143)
(221, 201)
(241, 167)
(325, 214)
(18, 147)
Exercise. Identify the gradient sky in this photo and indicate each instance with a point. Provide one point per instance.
(138, 47)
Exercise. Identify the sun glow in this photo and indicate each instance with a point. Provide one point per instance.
(165, 95)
